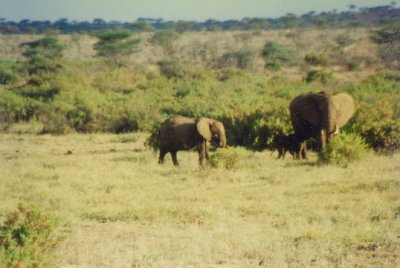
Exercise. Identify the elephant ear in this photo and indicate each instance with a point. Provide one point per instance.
(203, 127)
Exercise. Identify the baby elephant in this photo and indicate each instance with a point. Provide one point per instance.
(286, 143)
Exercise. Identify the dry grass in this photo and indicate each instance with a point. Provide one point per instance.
(121, 209)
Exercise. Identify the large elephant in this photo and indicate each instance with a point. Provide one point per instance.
(183, 133)
(319, 116)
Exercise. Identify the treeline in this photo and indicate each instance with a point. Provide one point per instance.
(363, 17)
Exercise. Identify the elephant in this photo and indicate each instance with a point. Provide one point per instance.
(183, 133)
(286, 143)
(319, 116)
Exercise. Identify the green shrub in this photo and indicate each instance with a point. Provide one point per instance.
(171, 68)
(383, 137)
(242, 59)
(353, 65)
(7, 77)
(257, 129)
(28, 238)
(152, 140)
(276, 55)
(165, 39)
(319, 75)
(15, 108)
(313, 59)
(342, 150)
(227, 158)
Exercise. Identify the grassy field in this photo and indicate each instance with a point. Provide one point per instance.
(119, 208)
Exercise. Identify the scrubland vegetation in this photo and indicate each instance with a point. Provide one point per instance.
(77, 110)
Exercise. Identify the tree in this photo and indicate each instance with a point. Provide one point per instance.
(115, 46)
(43, 55)
(165, 39)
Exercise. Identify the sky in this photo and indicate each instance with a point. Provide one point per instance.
(195, 10)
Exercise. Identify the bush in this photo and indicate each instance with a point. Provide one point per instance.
(313, 59)
(28, 237)
(171, 68)
(353, 65)
(276, 55)
(227, 158)
(342, 150)
(319, 75)
(257, 129)
(7, 78)
(383, 137)
(241, 59)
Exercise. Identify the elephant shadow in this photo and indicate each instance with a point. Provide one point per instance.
(302, 163)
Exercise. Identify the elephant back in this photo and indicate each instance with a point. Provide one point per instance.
(178, 132)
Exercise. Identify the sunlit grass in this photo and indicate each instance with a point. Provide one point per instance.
(119, 208)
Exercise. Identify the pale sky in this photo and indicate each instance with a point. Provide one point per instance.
(197, 10)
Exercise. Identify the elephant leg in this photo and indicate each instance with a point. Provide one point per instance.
(163, 152)
(202, 150)
(303, 150)
(322, 139)
(174, 159)
(280, 152)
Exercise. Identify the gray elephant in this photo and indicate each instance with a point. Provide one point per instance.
(183, 133)
(319, 116)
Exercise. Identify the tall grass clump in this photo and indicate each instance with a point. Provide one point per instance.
(28, 238)
(342, 150)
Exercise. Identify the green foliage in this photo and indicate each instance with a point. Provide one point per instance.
(15, 108)
(28, 238)
(256, 130)
(171, 68)
(115, 46)
(165, 39)
(353, 65)
(383, 136)
(7, 77)
(314, 59)
(43, 55)
(242, 59)
(227, 158)
(276, 55)
(152, 140)
(342, 150)
(319, 76)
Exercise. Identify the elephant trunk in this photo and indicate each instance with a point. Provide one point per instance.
(222, 138)
(328, 120)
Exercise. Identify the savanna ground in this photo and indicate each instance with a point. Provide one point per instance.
(119, 208)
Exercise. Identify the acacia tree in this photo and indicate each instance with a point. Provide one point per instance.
(43, 55)
(115, 46)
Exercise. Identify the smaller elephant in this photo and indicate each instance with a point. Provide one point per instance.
(183, 133)
(286, 143)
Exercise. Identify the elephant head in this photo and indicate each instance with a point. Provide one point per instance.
(345, 108)
(320, 115)
(183, 133)
(211, 129)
